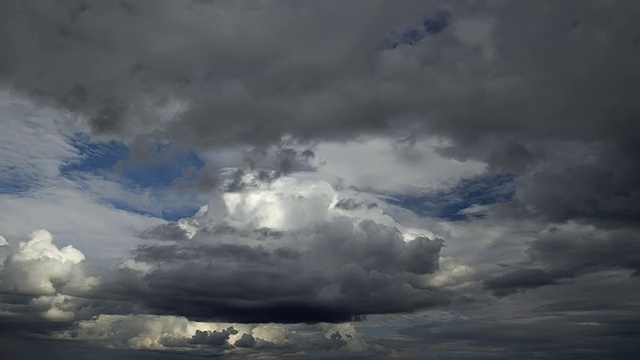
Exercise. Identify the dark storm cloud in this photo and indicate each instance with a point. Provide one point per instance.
(591, 336)
(570, 251)
(504, 81)
(38, 348)
(599, 183)
(239, 70)
(238, 62)
(340, 271)
(353, 204)
(588, 249)
(588, 318)
(168, 231)
(281, 160)
(523, 279)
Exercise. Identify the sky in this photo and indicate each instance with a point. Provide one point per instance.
(319, 179)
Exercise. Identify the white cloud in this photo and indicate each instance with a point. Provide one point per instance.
(33, 142)
(38, 267)
(450, 273)
(176, 333)
(294, 202)
(34, 145)
(75, 217)
(49, 276)
(347, 332)
(388, 166)
(286, 204)
(56, 307)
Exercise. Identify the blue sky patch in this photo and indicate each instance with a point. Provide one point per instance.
(448, 204)
(102, 157)
(412, 35)
(438, 23)
(12, 181)
(153, 180)
(160, 174)
(96, 156)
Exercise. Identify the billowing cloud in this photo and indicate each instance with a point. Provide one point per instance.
(38, 267)
(281, 251)
(41, 282)
(181, 336)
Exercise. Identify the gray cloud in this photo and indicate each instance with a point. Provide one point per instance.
(503, 81)
(544, 93)
(239, 70)
(212, 338)
(168, 231)
(569, 251)
(587, 249)
(523, 279)
(336, 272)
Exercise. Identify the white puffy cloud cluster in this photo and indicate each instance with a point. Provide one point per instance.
(38, 267)
(286, 204)
(178, 334)
(291, 203)
(451, 273)
(48, 275)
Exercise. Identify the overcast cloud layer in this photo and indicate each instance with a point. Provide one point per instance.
(319, 179)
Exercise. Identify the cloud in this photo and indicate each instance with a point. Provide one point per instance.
(329, 147)
(75, 218)
(592, 182)
(41, 285)
(571, 250)
(181, 336)
(523, 279)
(585, 248)
(467, 85)
(262, 88)
(38, 267)
(327, 264)
(33, 145)
(280, 252)
(450, 273)
(413, 159)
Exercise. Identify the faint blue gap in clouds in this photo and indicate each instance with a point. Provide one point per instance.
(449, 204)
(413, 34)
(161, 174)
(14, 182)
(96, 157)
(154, 179)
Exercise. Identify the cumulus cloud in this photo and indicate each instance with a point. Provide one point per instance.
(275, 251)
(38, 267)
(180, 335)
(41, 283)
(281, 251)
